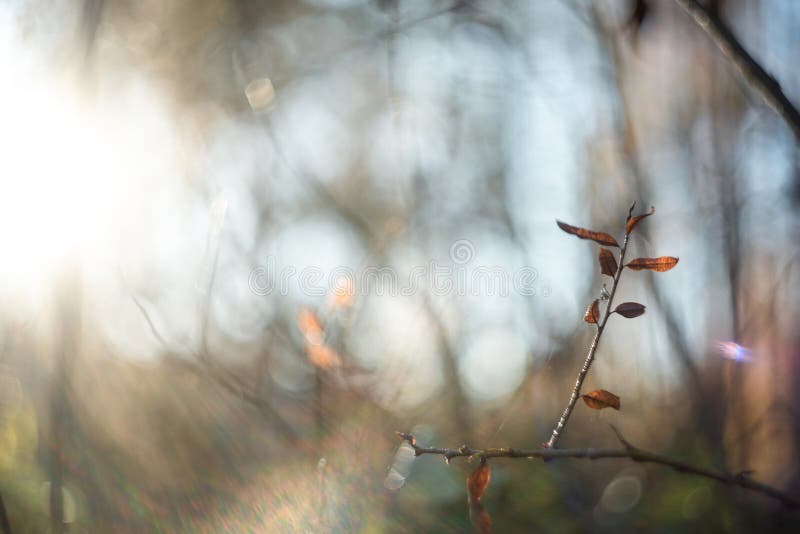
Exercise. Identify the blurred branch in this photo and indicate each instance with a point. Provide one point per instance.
(69, 300)
(458, 403)
(236, 387)
(228, 380)
(576, 391)
(4, 523)
(629, 143)
(91, 19)
(325, 61)
(755, 75)
(149, 321)
(627, 451)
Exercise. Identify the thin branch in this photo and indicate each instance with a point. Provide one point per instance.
(149, 321)
(576, 391)
(753, 73)
(628, 451)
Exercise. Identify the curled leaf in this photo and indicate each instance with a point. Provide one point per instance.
(598, 237)
(634, 221)
(480, 517)
(600, 398)
(630, 309)
(661, 264)
(592, 314)
(478, 481)
(608, 264)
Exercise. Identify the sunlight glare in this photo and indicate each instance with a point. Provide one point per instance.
(71, 166)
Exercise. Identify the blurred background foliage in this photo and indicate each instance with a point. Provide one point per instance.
(158, 154)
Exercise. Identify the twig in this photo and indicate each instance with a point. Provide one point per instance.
(576, 391)
(149, 321)
(753, 73)
(628, 451)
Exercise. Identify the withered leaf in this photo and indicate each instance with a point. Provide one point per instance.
(478, 480)
(634, 221)
(630, 309)
(310, 326)
(322, 355)
(480, 517)
(307, 321)
(592, 314)
(608, 264)
(598, 237)
(600, 398)
(664, 263)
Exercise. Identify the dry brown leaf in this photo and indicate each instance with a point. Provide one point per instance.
(480, 517)
(308, 323)
(608, 264)
(664, 263)
(478, 480)
(592, 314)
(630, 309)
(598, 237)
(600, 398)
(634, 221)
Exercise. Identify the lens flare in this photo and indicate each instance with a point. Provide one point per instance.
(734, 351)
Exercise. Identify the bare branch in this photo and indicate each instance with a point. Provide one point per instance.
(753, 73)
(629, 452)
